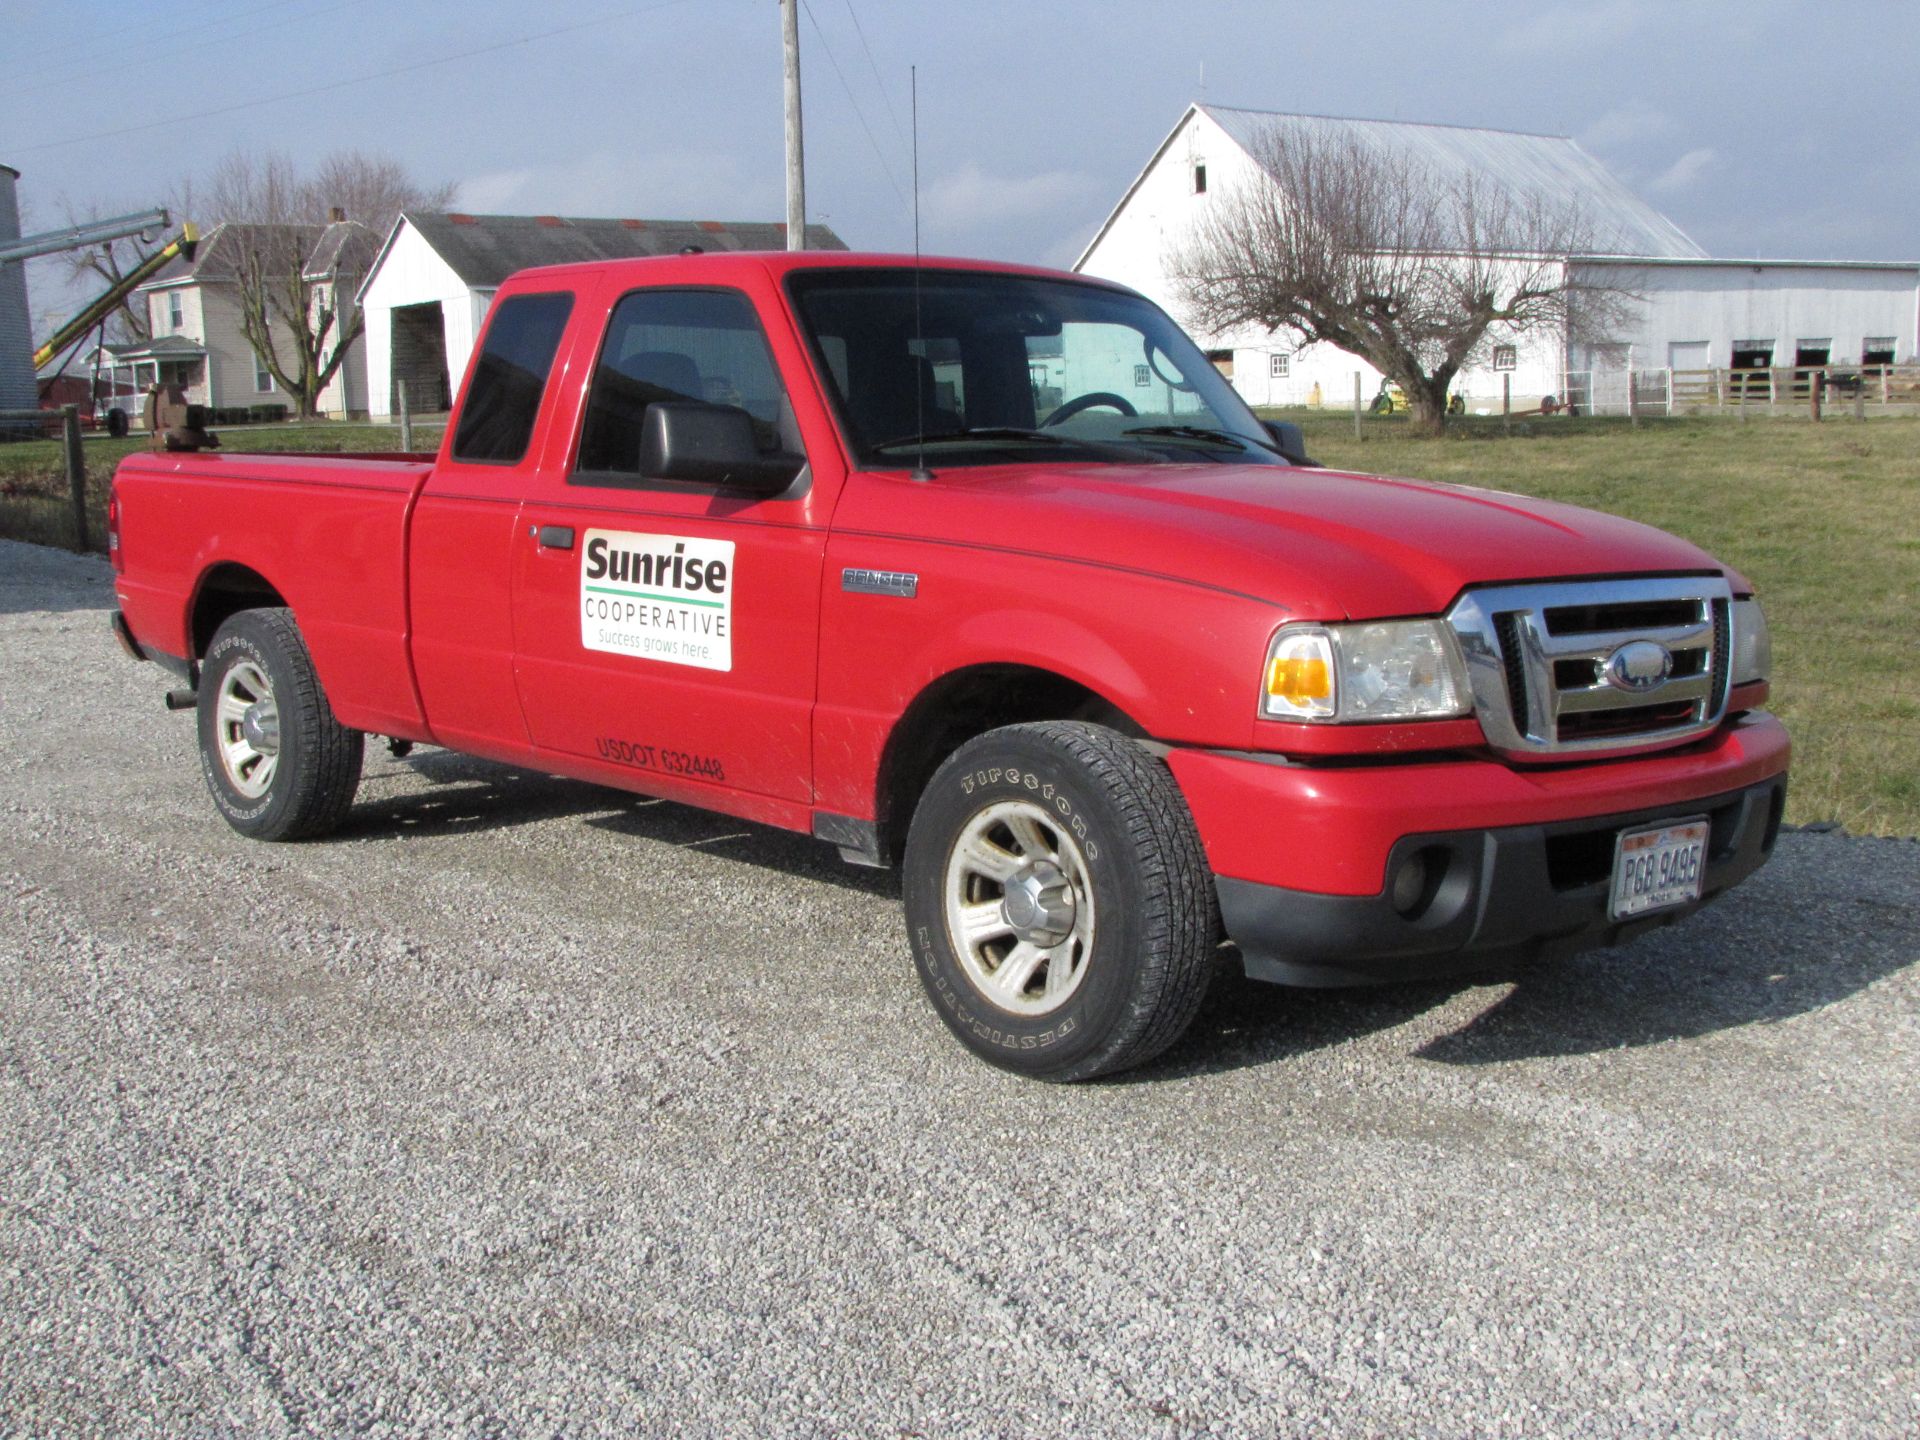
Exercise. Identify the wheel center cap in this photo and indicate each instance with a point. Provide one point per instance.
(1039, 904)
(261, 725)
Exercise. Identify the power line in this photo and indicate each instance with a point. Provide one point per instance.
(879, 84)
(177, 24)
(71, 78)
(282, 96)
(858, 114)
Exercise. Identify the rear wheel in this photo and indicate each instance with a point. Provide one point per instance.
(1059, 906)
(279, 766)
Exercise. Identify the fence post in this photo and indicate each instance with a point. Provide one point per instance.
(1885, 390)
(1860, 399)
(1356, 404)
(406, 419)
(1816, 382)
(1633, 401)
(76, 472)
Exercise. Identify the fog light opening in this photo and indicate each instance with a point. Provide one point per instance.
(1414, 881)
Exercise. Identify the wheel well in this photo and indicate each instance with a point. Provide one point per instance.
(225, 591)
(956, 708)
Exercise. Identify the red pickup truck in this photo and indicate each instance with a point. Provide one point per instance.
(984, 571)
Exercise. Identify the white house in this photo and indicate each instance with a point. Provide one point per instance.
(199, 341)
(428, 290)
(1698, 312)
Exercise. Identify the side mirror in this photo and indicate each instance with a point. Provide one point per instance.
(711, 445)
(1291, 443)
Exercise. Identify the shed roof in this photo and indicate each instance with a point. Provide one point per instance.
(484, 249)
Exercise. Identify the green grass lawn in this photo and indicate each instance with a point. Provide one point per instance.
(1825, 519)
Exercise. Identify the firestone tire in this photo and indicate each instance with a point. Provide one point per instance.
(279, 766)
(1060, 909)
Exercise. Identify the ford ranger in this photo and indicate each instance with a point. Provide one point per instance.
(985, 572)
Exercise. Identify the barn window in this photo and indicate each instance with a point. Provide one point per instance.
(1878, 350)
(1752, 354)
(1279, 367)
(1506, 357)
(1200, 177)
(1222, 360)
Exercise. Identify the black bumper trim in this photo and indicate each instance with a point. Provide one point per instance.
(1495, 898)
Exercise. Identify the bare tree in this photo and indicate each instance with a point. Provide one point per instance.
(109, 263)
(295, 317)
(1373, 250)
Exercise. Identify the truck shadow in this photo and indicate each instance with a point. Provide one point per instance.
(1763, 954)
(469, 795)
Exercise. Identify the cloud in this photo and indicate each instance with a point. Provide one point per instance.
(1683, 172)
(1626, 126)
(1575, 29)
(656, 184)
(971, 199)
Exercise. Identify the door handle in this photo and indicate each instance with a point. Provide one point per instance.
(553, 537)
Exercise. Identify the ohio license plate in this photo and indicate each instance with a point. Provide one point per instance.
(1658, 867)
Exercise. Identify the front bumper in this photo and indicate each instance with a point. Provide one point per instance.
(1520, 860)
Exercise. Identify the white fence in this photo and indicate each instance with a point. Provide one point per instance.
(1695, 392)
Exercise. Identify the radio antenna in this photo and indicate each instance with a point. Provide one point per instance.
(920, 365)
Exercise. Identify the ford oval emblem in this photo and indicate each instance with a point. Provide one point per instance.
(1638, 666)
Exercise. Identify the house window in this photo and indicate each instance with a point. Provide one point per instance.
(176, 312)
(262, 377)
(1877, 350)
(1141, 377)
(1200, 177)
(1506, 357)
(1279, 367)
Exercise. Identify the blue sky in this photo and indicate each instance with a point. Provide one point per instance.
(1767, 128)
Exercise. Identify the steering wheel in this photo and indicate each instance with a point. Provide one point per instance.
(1086, 402)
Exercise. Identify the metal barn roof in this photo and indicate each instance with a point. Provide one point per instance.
(1551, 167)
(484, 249)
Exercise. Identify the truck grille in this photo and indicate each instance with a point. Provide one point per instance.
(1594, 667)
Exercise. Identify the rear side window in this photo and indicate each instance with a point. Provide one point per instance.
(704, 345)
(504, 398)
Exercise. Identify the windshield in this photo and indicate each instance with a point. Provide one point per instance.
(981, 368)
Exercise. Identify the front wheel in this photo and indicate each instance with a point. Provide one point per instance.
(1059, 905)
(278, 764)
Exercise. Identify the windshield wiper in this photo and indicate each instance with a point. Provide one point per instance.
(1010, 434)
(1191, 432)
(980, 432)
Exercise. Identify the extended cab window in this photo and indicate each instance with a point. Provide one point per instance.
(678, 345)
(496, 424)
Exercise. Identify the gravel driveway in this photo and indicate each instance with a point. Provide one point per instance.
(523, 1107)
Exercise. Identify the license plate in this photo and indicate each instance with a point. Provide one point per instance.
(1658, 867)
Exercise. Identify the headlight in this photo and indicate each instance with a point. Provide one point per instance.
(1376, 670)
(1752, 645)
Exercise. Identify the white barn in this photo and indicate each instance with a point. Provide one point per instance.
(1699, 313)
(428, 290)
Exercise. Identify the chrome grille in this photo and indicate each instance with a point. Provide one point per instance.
(1596, 667)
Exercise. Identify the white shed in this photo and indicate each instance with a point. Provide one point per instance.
(427, 292)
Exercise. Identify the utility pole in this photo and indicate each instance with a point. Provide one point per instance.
(796, 160)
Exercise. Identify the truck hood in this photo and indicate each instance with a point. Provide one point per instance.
(1321, 544)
